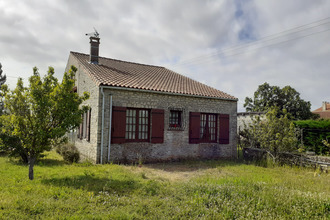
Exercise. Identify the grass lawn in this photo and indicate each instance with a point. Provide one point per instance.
(186, 190)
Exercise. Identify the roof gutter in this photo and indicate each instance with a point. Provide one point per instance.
(165, 93)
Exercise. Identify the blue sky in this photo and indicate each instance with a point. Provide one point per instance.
(223, 44)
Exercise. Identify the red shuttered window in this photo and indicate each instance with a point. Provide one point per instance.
(137, 125)
(208, 128)
(134, 125)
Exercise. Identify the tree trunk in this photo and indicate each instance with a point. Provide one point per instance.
(24, 157)
(32, 160)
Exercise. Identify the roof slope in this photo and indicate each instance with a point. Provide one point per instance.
(117, 73)
(321, 108)
(323, 114)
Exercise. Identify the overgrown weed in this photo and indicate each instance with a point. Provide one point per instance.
(200, 189)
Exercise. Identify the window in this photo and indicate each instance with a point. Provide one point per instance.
(84, 128)
(84, 125)
(137, 125)
(175, 119)
(203, 128)
(134, 125)
(208, 127)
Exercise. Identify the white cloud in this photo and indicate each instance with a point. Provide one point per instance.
(41, 33)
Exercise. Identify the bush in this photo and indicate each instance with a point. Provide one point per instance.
(314, 133)
(273, 134)
(69, 152)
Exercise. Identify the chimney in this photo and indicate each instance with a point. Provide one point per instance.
(324, 106)
(94, 54)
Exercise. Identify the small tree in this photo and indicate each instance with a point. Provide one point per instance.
(42, 113)
(274, 134)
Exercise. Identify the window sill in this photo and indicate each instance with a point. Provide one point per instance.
(208, 142)
(135, 141)
(175, 129)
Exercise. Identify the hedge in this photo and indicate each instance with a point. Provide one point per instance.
(314, 132)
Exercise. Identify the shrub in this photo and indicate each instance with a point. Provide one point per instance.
(273, 134)
(69, 152)
(314, 132)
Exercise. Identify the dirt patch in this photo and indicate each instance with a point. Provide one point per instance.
(177, 171)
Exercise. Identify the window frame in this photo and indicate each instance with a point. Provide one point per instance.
(83, 131)
(205, 137)
(137, 125)
(177, 119)
(84, 122)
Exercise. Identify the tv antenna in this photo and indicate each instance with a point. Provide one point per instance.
(95, 33)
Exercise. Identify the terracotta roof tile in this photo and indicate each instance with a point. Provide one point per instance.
(321, 108)
(117, 73)
(323, 114)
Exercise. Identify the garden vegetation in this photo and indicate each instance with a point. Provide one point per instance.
(39, 115)
(185, 190)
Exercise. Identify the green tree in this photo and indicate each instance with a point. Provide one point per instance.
(42, 113)
(274, 134)
(267, 97)
(2, 77)
(2, 81)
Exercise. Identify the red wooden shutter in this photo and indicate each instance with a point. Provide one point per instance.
(157, 130)
(224, 129)
(118, 125)
(88, 124)
(194, 127)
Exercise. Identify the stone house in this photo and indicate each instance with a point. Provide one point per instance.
(246, 118)
(149, 113)
(324, 111)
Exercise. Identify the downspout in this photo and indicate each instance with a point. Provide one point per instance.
(102, 128)
(110, 121)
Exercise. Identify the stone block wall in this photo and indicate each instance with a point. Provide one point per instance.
(87, 149)
(176, 142)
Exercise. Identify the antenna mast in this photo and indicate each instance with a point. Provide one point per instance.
(95, 33)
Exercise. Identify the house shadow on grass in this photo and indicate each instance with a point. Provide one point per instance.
(94, 184)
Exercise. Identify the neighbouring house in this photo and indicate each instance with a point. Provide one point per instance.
(324, 111)
(245, 119)
(149, 113)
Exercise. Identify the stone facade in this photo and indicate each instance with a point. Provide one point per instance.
(176, 141)
(88, 149)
